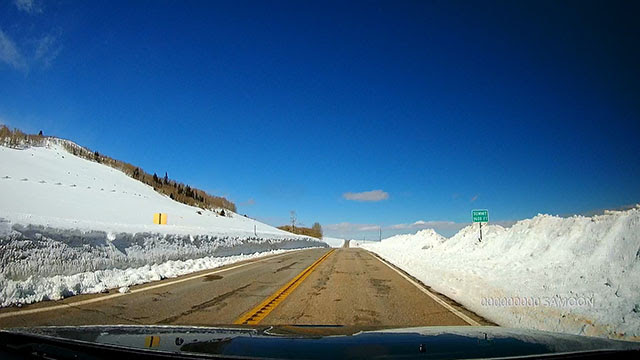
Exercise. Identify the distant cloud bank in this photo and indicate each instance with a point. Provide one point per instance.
(421, 224)
(373, 195)
(347, 230)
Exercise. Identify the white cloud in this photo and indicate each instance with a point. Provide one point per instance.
(373, 195)
(10, 54)
(28, 6)
(44, 51)
(47, 49)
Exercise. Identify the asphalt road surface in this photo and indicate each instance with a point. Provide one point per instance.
(348, 287)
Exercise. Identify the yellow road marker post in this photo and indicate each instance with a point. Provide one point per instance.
(152, 341)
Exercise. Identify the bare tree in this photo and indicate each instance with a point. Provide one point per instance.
(293, 219)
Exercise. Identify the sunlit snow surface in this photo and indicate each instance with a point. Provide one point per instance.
(333, 242)
(71, 226)
(579, 275)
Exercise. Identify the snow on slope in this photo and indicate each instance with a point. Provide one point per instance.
(579, 275)
(333, 242)
(50, 187)
(61, 215)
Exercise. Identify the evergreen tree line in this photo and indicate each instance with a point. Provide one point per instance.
(164, 185)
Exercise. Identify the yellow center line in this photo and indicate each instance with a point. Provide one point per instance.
(255, 315)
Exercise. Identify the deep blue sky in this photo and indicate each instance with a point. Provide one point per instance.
(517, 107)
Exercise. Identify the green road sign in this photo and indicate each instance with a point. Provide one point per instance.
(480, 215)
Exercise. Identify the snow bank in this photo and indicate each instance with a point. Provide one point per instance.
(333, 242)
(71, 226)
(57, 287)
(579, 275)
(41, 251)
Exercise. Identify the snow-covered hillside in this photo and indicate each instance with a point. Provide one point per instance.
(578, 275)
(62, 215)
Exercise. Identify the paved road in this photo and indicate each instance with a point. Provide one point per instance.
(350, 287)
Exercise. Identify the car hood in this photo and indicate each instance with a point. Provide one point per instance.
(312, 342)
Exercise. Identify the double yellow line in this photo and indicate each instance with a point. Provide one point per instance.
(255, 315)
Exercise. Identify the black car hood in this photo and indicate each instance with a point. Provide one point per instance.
(312, 342)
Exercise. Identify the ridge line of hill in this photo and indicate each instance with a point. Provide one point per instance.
(164, 185)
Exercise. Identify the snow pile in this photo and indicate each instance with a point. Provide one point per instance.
(577, 275)
(333, 242)
(57, 287)
(41, 251)
(63, 217)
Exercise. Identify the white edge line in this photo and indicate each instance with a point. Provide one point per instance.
(455, 311)
(112, 296)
